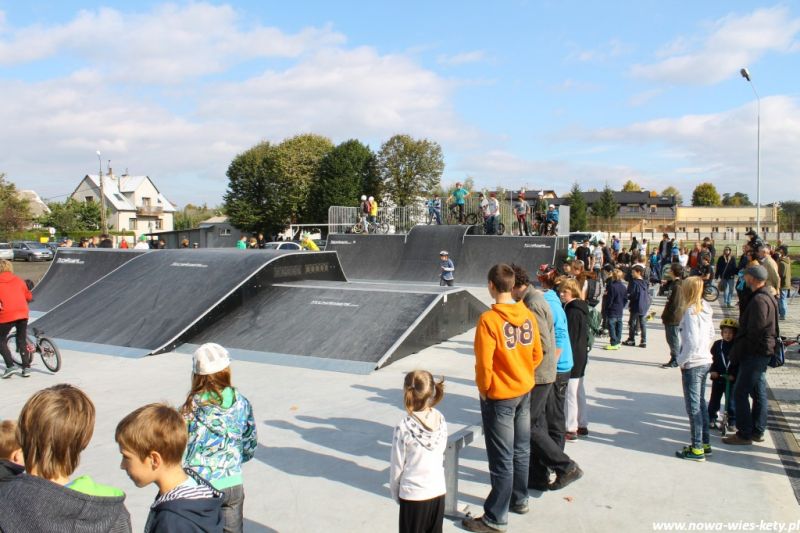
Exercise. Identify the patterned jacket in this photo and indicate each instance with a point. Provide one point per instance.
(221, 438)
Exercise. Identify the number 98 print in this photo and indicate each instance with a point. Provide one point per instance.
(522, 334)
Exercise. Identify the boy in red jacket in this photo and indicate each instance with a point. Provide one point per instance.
(507, 351)
(14, 298)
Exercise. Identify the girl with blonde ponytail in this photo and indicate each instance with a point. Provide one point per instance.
(416, 476)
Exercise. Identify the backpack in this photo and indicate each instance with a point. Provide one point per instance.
(594, 291)
(779, 356)
(594, 325)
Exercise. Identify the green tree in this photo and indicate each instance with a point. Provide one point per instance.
(192, 215)
(345, 173)
(606, 207)
(15, 211)
(268, 184)
(705, 194)
(631, 186)
(672, 191)
(410, 168)
(577, 209)
(789, 216)
(736, 199)
(71, 216)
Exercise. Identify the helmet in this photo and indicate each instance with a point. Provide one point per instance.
(371, 198)
(552, 206)
(729, 323)
(546, 271)
(306, 235)
(444, 252)
(363, 197)
(541, 193)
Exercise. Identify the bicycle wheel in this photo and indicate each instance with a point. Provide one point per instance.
(11, 342)
(711, 293)
(472, 219)
(357, 228)
(51, 357)
(501, 228)
(382, 227)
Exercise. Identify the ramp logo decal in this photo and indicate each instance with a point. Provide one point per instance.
(342, 242)
(534, 245)
(189, 265)
(333, 304)
(69, 261)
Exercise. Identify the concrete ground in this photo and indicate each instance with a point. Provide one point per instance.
(323, 459)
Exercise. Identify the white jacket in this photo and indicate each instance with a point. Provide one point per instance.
(417, 467)
(697, 335)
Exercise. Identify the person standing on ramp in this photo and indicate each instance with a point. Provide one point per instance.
(447, 268)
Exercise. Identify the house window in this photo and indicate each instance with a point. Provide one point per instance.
(89, 199)
(715, 230)
(696, 230)
(729, 229)
(748, 228)
(633, 208)
(682, 230)
(145, 201)
(224, 232)
(132, 223)
(158, 223)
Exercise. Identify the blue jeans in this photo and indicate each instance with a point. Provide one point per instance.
(434, 214)
(615, 329)
(728, 286)
(694, 395)
(490, 226)
(751, 379)
(507, 432)
(782, 307)
(673, 340)
(637, 322)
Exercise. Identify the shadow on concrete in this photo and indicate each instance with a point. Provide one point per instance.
(255, 527)
(657, 424)
(457, 409)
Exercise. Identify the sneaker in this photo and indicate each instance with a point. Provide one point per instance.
(736, 440)
(672, 363)
(642, 345)
(691, 454)
(582, 432)
(713, 424)
(612, 346)
(520, 508)
(26, 373)
(758, 437)
(707, 451)
(562, 480)
(629, 342)
(10, 371)
(570, 436)
(477, 524)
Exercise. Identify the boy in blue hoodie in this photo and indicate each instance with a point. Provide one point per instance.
(722, 371)
(638, 304)
(152, 440)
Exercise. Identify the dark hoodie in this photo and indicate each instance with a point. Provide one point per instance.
(577, 312)
(32, 504)
(9, 469)
(638, 297)
(187, 509)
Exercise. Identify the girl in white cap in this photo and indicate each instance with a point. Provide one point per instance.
(222, 430)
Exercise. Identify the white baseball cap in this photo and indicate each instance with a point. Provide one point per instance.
(210, 358)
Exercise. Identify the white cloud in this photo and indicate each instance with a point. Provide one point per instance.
(608, 50)
(166, 45)
(463, 58)
(732, 42)
(639, 99)
(721, 147)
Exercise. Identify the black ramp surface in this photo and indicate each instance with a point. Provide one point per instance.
(344, 321)
(73, 270)
(150, 302)
(367, 256)
(420, 259)
(481, 252)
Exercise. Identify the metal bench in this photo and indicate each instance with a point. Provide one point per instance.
(455, 443)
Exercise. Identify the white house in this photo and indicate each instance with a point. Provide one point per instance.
(134, 202)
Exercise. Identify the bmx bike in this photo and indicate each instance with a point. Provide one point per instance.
(37, 343)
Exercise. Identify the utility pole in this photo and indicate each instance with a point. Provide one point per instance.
(103, 225)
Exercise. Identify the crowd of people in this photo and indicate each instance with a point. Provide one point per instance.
(192, 455)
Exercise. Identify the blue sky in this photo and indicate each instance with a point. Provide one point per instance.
(519, 94)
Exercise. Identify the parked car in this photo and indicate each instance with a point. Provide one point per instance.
(31, 251)
(282, 245)
(6, 252)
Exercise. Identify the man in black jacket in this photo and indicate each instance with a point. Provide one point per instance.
(755, 344)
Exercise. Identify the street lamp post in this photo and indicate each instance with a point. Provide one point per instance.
(103, 226)
(746, 75)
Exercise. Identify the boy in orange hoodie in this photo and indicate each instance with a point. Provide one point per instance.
(507, 351)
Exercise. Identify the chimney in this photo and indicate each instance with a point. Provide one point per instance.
(110, 172)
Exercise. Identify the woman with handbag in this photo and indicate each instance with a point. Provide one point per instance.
(726, 274)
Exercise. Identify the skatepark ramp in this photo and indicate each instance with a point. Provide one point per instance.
(145, 306)
(72, 271)
(355, 327)
(415, 257)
